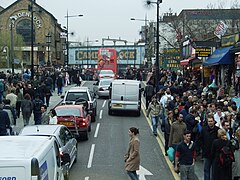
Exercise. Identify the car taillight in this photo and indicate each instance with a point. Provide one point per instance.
(83, 123)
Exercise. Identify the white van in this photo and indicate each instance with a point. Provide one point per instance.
(125, 95)
(30, 158)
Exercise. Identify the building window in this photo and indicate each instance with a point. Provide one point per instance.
(24, 28)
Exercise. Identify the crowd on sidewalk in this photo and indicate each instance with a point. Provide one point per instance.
(196, 121)
(21, 95)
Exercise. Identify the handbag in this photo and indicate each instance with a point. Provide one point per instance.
(170, 153)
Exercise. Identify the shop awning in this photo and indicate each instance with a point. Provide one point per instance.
(220, 56)
(186, 61)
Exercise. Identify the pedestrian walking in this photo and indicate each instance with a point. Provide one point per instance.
(220, 172)
(207, 136)
(168, 123)
(5, 127)
(154, 110)
(132, 157)
(185, 157)
(27, 108)
(148, 94)
(37, 104)
(45, 116)
(19, 100)
(11, 112)
(60, 84)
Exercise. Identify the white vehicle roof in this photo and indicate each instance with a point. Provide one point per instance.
(118, 81)
(78, 89)
(22, 147)
(40, 130)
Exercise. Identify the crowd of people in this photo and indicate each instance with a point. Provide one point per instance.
(197, 121)
(21, 95)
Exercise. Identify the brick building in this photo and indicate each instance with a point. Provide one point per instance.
(47, 42)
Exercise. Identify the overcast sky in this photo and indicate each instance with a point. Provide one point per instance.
(103, 18)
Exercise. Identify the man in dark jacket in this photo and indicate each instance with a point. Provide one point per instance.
(4, 123)
(148, 93)
(37, 104)
(207, 136)
(191, 122)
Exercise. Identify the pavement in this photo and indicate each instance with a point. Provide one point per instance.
(199, 174)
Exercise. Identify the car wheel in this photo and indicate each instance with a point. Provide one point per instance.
(86, 136)
(89, 128)
(66, 175)
(138, 113)
(93, 118)
(110, 112)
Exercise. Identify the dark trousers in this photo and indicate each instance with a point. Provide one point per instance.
(47, 100)
(18, 106)
(166, 137)
(38, 118)
(148, 100)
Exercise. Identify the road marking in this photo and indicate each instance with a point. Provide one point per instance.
(97, 129)
(104, 103)
(91, 156)
(100, 115)
(160, 140)
(142, 172)
(86, 178)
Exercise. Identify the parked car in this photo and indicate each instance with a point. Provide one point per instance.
(106, 74)
(66, 141)
(101, 88)
(77, 93)
(76, 118)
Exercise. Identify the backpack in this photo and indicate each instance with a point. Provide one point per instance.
(226, 156)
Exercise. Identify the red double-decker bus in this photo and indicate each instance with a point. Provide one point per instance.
(107, 59)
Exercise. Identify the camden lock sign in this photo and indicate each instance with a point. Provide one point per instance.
(25, 14)
(203, 52)
(93, 54)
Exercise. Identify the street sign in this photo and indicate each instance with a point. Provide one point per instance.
(220, 29)
(142, 172)
(202, 52)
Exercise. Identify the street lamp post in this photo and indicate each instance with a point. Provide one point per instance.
(157, 45)
(48, 50)
(88, 41)
(6, 50)
(67, 43)
(12, 44)
(30, 8)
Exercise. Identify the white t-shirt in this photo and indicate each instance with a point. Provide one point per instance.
(53, 120)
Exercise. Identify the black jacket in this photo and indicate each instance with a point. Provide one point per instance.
(207, 137)
(4, 123)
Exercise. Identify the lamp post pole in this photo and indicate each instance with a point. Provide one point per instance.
(48, 50)
(12, 45)
(157, 45)
(67, 43)
(32, 41)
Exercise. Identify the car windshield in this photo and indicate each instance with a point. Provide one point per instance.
(68, 112)
(105, 83)
(73, 96)
(106, 72)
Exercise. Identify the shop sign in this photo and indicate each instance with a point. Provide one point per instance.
(202, 52)
(229, 40)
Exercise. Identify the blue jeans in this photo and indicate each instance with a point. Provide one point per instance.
(133, 175)
(155, 120)
(208, 168)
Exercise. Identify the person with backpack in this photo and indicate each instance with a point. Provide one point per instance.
(26, 108)
(223, 157)
(37, 104)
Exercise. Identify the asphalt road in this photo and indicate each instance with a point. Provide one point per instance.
(101, 157)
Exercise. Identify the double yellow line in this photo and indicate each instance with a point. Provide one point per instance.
(160, 140)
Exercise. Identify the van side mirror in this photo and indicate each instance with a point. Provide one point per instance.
(65, 158)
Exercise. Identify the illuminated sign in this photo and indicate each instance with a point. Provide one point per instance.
(203, 52)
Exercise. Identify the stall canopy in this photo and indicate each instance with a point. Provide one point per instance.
(220, 56)
(185, 62)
